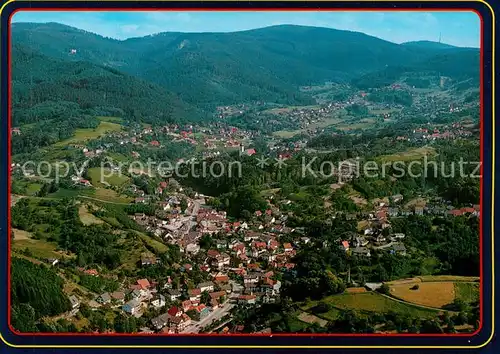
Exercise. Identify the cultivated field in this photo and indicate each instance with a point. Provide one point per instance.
(435, 290)
(432, 294)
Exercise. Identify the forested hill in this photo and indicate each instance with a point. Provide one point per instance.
(38, 79)
(209, 69)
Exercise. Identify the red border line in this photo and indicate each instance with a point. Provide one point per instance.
(481, 49)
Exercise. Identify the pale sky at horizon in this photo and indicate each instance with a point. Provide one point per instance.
(456, 28)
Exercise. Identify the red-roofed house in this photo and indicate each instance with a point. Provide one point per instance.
(188, 267)
(221, 279)
(251, 152)
(186, 305)
(194, 294)
(155, 143)
(212, 253)
(345, 245)
(467, 210)
(143, 283)
(175, 311)
(258, 213)
(288, 247)
(93, 272)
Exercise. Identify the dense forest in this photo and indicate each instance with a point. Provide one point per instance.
(33, 299)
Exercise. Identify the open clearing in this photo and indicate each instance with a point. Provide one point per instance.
(86, 217)
(21, 234)
(37, 248)
(308, 318)
(359, 201)
(285, 134)
(108, 195)
(355, 290)
(417, 202)
(114, 178)
(82, 135)
(432, 294)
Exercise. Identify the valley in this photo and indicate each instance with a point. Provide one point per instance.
(219, 183)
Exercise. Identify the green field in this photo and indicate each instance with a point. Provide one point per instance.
(118, 157)
(368, 302)
(151, 242)
(467, 292)
(37, 248)
(111, 119)
(82, 135)
(410, 155)
(102, 194)
(113, 178)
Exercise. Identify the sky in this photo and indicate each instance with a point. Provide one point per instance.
(456, 28)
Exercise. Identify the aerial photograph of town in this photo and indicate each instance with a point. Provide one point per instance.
(245, 173)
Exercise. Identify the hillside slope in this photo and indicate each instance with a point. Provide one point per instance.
(38, 79)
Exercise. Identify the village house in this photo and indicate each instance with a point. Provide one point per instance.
(118, 297)
(133, 307)
(148, 259)
(174, 311)
(199, 312)
(419, 211)
(247, 299)
(221, 244)
(397, 236)
(251, 279)
(160, 321)
(75, 303)
(179, 323)
(288, 247)
(158, 301)
(221, 260)
(104, 299)
(194, 294)
(397, 198)
(361, 251)
(206, 286)
(399, 249)
(174, 294)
